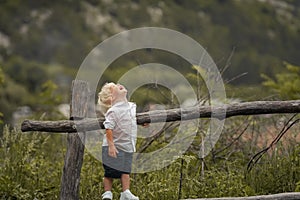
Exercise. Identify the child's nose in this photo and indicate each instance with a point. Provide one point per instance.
(120, 86)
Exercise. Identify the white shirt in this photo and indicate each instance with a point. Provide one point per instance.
(121, 119)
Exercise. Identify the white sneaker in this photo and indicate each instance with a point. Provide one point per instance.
(107, 195)
(127, 195)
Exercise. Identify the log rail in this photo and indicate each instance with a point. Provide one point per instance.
(220, 112)
(281, 196)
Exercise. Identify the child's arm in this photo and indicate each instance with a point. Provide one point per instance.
(112, 151)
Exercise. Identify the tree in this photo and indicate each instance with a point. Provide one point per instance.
(285, 84)
(1, 83)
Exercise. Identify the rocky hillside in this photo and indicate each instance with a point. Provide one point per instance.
(42, 40)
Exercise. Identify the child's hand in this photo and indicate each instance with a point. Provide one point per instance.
(112, 151)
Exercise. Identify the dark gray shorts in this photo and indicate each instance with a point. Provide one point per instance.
(115, 167)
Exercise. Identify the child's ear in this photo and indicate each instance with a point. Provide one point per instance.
(107, 101)
(110, 100)
(111, 87)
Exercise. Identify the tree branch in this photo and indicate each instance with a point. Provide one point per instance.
(288, 125)
(219, 112)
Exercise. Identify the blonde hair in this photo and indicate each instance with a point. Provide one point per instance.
(105, 98)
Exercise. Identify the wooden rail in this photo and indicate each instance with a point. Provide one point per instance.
(281, 196)
(220, 112)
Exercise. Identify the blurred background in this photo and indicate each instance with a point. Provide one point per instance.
(43, 43)
(254, 43)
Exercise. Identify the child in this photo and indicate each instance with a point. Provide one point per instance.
(120, 140)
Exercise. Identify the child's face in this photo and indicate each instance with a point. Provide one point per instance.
(118, 92)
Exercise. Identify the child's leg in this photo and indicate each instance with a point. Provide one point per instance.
(125, 181)
(107, 182)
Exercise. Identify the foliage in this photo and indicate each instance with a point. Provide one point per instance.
(65, 31)
(22, 80)
(1, 115)
(1, 83)
(298, 187)
(48, 101)
(30, 166)
(12, 95)
(27, 80)
(47, 95)
(91, 178)
(1, 76)
(285, 84)
(43, 35)
(48, 40)
(33, 74)
(276, 173)
(165, 184)
(218, 183)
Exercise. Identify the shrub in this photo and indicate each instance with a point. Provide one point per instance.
(28, 170)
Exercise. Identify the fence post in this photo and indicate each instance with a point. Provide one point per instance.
(70, 180)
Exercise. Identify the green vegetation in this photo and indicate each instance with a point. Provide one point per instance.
(1, 83)
(31, 166)
(286, 84)
(43, 43)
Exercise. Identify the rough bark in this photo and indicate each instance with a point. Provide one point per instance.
(220, 112)
(70, 179)
(281, 196)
